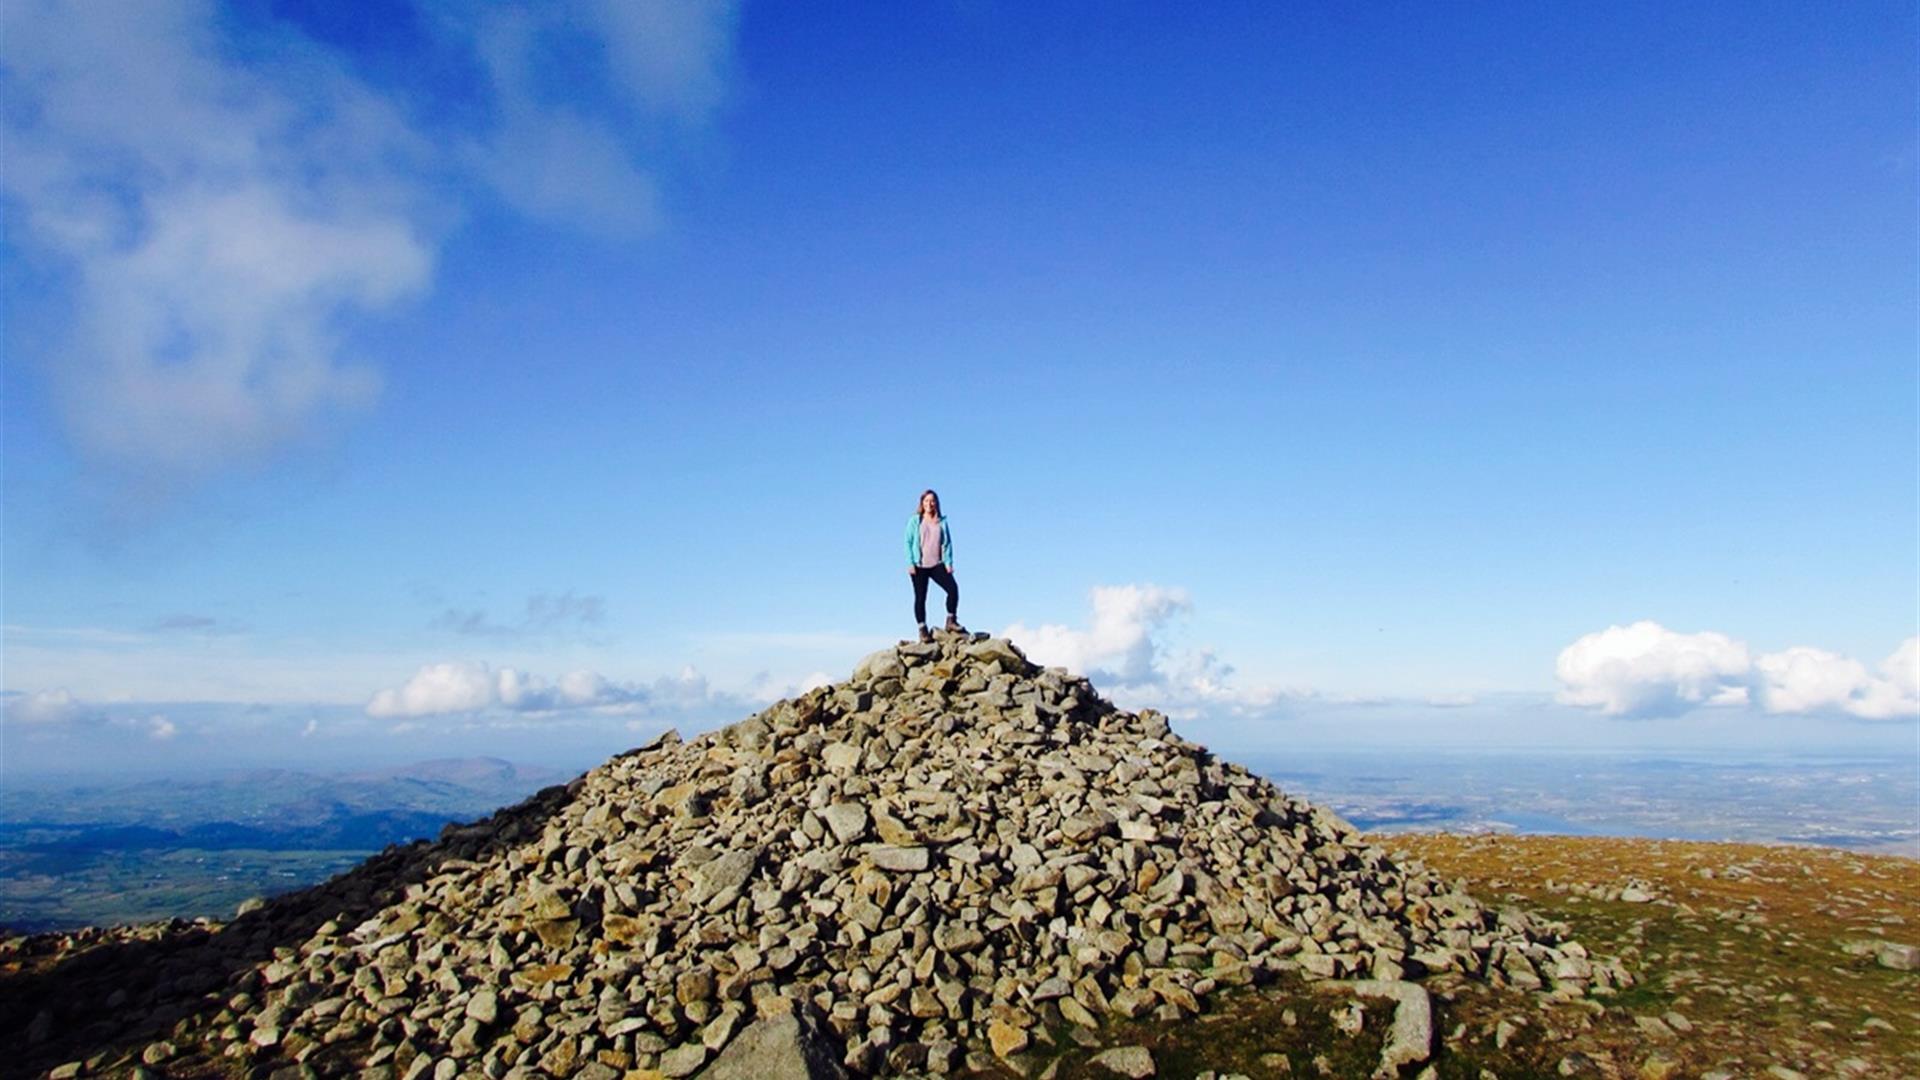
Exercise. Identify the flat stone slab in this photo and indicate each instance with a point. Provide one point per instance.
(1129, 1061)
(910, 860)
(778, 1048)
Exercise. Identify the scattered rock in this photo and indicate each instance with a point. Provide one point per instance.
(909, 860)
(1410, 1040)
(780, 1046)
(1130, 1061)
(1659, 1068)
(683, 1060)
(950, 853)
(1006, 1039)
(1898, 957)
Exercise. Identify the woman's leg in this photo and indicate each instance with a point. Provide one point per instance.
(945, 577)
(920, 597)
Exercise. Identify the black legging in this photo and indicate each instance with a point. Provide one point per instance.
(924, 574)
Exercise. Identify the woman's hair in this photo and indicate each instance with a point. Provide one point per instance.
(919, 503)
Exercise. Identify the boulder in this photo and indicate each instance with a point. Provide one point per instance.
(785, 1047)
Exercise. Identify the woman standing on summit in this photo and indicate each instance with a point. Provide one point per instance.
(930, 558)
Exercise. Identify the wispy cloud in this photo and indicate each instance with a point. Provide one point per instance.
(211, 220)
(544, 614)
(572, 161)
(1644, 670)
(189, 623)
(214, 223)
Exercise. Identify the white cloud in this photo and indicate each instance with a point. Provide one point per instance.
(437, 688)
(1808, 680)
(1118, 650)
(215, 222)
(209, 201)
(58, 710)
(45, 708)
(1117, 645)
(463, 687)
(1646, 670)
(575, 690)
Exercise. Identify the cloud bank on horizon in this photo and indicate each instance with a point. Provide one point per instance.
(1644, 670)
(1638, 671)
(474, 687)
(217, 227)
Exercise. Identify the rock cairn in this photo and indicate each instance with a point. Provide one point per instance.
(926, 862)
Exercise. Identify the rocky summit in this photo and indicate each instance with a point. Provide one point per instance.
(921, 870)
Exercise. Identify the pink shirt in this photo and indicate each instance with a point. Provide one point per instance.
(929, 542)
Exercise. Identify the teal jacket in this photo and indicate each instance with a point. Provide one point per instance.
(913, 542)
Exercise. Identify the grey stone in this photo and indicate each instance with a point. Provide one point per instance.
(727, 872)
(779, 1047)
(958, 938)
(885, 664)
(997, 649)
(901, 859)
(1131, 1061)
(1898, 957)
(1410, 1039)
(684, 1060)
(847, 820)
(841, 757)
(484, 1006)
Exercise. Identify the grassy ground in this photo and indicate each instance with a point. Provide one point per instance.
(1741, 955)
(113, 888)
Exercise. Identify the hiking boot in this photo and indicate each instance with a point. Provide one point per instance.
(953, 626)
(926, 635)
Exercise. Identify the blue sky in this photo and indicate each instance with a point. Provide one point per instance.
(1512, 374)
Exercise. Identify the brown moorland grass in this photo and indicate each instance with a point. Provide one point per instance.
(1741, 953)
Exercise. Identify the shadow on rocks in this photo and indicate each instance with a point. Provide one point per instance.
(103, 995)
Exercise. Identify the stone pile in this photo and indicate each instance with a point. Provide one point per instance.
(905, 872)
